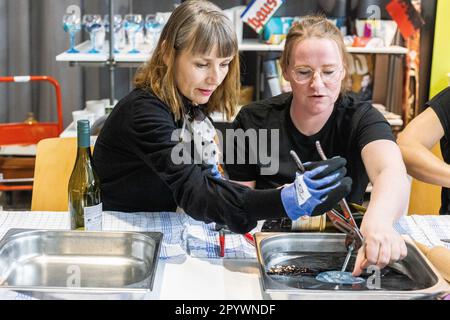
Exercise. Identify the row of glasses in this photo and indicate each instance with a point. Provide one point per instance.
(132, 24)
(92, 24)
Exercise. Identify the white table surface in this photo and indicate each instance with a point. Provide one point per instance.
(195, 279)
(184, 277)
(201, 279)
(177, 278)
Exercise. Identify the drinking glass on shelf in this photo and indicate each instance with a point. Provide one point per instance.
(92, 24)
(117, 28)
(72, 24)
(153, 25)
(133, 24)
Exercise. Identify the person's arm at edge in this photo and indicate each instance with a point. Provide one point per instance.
(415, 143)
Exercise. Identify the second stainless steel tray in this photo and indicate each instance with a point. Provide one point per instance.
(414, 277)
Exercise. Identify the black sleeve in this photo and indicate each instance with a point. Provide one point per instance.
(441, 105)
(370, 125)
(196, 191)
(241, 168)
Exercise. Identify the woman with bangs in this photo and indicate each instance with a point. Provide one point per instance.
(157, 150)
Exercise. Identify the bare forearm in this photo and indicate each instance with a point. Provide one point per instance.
(422, 164)
(390, 195)
(416, 142)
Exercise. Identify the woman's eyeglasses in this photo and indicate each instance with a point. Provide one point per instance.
(304, 75)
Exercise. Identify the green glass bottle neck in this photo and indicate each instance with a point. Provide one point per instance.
(84, 153)
(83, 140)
(83, 134)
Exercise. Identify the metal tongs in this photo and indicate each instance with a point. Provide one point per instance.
(345, 223)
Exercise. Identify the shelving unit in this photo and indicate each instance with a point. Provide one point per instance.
(255, 45)
(107, 58)
(392, 119)
(97, 59)
(246, 45)
(124, 59)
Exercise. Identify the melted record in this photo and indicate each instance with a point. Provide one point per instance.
(339, 277)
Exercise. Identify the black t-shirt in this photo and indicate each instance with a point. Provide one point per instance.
(133, 159)
(351, 126)
(441, 105)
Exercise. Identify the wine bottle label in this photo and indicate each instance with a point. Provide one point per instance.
(302, 190)
(93, 218)
(306, 223)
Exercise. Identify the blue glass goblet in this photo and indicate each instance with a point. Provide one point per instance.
(92, 24)
(71, 25)
(133, 24)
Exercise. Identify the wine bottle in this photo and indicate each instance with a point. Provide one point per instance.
(85, 206)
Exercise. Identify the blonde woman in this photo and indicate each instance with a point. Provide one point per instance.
(314, 61)
(157, 148)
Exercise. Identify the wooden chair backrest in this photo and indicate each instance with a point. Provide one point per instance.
(55, 158)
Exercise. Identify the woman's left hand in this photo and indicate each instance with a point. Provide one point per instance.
(382, 245)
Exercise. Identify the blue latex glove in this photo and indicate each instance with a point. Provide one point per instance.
(317, 190)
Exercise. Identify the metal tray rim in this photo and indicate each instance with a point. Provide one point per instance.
(441, 284)
(155, 235)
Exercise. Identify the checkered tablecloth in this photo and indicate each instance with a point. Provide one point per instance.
(426, 229)
(181, 234)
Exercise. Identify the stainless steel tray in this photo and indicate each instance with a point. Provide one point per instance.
(79, 262)
(285, 248)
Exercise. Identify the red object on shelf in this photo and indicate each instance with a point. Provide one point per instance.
(360, 41)
(25, 133)
(406, 16)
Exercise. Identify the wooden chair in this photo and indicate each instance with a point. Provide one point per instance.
(55, 158)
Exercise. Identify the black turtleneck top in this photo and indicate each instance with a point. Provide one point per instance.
(132, 157)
